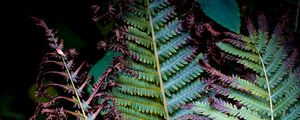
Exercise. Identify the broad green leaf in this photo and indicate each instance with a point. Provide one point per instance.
(98, 68)
(50, 91)
(224, 12)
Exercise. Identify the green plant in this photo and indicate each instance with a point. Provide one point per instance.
(154, 68)
(273, 92)
(228, 18)
(163, 65)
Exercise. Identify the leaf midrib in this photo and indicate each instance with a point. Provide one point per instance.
(157, 62)
(267, 82)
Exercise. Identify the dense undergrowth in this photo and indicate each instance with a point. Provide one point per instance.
(203, 59)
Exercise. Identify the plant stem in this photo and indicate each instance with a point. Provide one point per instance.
(71, 79)
(157, 63)
(268, 86)
(52, 38)
(75, 90)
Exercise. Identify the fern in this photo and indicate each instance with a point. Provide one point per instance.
(58, 72)
(274, 92)
(163, 66)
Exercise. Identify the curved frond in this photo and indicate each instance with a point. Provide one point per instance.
(276, 87)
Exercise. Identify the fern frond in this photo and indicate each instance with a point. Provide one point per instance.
(163, 66)
(86, 105)
(276, 86)
(66, 72)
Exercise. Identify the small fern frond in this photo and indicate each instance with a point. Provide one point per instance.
(66, 73)
(59, 71)
(275, 88)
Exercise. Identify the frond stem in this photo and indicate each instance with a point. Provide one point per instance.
(157, 62)
(268, 86)
(51, 36)
(71, 79)
(75, 90)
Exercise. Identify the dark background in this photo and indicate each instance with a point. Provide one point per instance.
(23, 44)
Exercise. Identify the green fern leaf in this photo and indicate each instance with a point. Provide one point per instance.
(293, 113)
(224, 12)
(163, 67)
(205, 109)
(275, 89)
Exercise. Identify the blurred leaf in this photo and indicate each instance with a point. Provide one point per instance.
(224, 12)
(50, 91)
(249, 6)
(98, 68)
(106, 29)
(71, 40)
(6, 110)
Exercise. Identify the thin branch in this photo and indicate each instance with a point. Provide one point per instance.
(52, 38)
